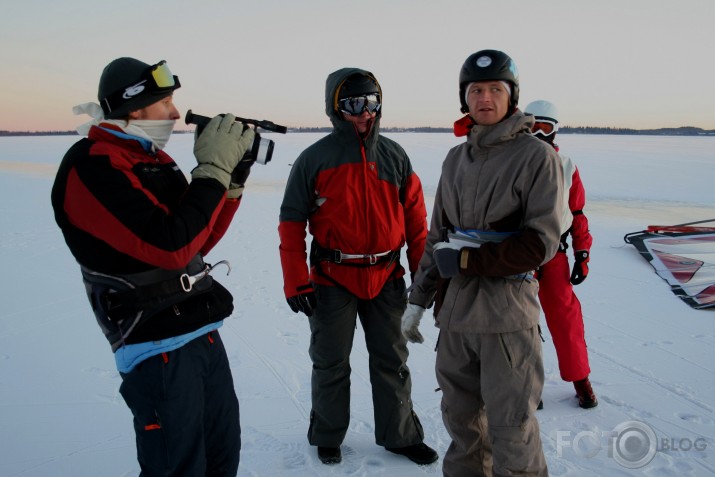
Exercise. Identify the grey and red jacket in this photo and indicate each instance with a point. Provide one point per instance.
(357, 195)
(502, 179)
(125, 211)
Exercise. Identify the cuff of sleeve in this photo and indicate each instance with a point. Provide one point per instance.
(235, 191)
(209, 171)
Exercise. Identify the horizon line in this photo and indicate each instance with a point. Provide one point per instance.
(695, 130)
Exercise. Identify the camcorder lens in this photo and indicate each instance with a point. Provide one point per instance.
(264, 150)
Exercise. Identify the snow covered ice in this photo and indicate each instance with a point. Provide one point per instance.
(651, 355)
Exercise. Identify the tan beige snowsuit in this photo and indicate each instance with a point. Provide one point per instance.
(489, 362)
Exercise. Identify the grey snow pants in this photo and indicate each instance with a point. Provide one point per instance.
(332, 329)
(491, 385)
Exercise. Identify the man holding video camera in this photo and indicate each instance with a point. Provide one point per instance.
(139, 231)
(356, 191)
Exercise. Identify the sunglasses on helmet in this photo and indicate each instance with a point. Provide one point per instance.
(157, 79)
(355, 105)
(544, 127)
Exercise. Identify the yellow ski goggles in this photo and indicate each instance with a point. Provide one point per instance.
(162, 76)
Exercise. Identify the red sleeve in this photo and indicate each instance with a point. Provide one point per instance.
(293, 256)
(580, 236)
(415, 221)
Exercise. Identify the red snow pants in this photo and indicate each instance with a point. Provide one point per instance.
(564, 318)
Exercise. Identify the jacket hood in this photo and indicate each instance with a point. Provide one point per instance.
(332, 87)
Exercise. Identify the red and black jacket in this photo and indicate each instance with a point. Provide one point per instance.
(125, 211)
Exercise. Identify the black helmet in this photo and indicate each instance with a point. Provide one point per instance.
(489, 65)
(128, 84)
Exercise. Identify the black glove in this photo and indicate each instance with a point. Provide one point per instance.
(447, 259)
(580, 267)
(242, 170)
(305, 301)
(239, 175)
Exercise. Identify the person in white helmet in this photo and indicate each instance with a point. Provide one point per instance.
(561, 307)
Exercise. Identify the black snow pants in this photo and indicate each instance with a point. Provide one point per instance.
(186, 415)
(332, 330)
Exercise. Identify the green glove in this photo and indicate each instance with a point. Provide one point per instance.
(219, 147)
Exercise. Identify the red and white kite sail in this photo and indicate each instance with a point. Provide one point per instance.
(683, 256)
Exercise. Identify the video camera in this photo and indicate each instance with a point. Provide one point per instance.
(261, 149)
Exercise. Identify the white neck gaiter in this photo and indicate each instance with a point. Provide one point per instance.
(156, 131)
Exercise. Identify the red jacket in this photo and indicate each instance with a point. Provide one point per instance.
(575, 221)
(581, 238)
(359, 196)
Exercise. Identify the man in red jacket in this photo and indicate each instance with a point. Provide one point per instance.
(139, 231)
(561, 307)
(356, 191)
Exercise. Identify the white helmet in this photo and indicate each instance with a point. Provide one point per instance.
(544, 111)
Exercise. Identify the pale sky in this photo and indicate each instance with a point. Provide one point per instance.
(619, 63)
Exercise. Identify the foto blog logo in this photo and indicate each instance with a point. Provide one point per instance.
(632, 444)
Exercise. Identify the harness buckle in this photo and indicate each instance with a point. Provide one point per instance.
(187, 281)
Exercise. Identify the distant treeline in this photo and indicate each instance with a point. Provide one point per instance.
(681, 131)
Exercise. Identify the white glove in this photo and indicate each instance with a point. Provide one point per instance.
(411, 322)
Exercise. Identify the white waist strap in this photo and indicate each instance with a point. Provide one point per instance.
(356, 256)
